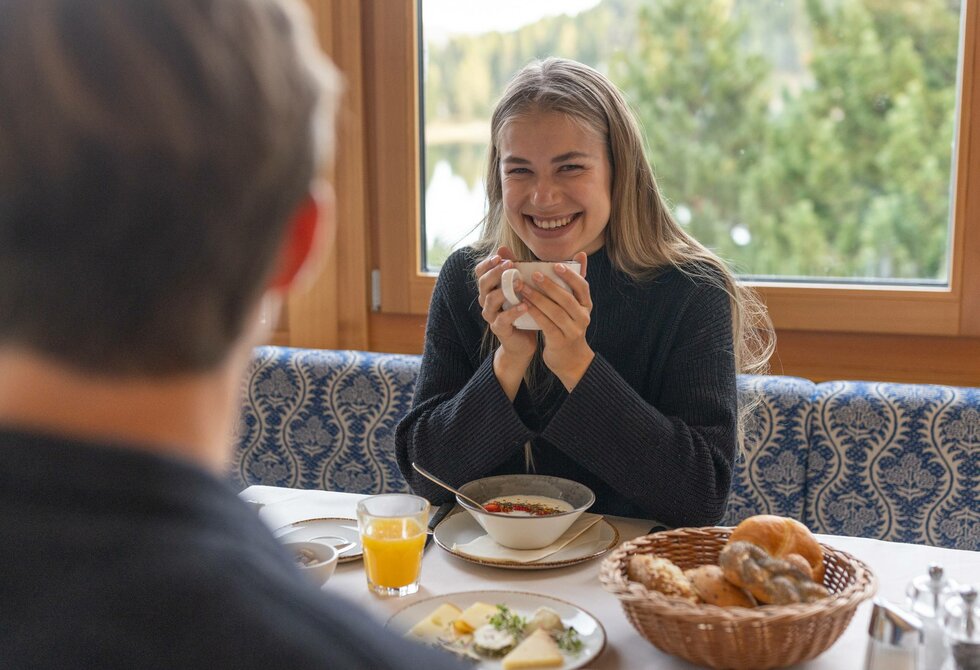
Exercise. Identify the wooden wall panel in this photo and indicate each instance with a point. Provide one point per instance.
(332, 312)
(897, 358)
(397, 333)
(816, 356)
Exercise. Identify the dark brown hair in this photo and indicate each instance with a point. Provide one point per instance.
(151, 154)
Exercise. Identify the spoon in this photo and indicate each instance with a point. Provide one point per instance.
(431, 477)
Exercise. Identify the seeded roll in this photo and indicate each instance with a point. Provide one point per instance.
(771, 581)
(712, 588)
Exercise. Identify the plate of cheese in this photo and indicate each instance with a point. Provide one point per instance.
(504, 630)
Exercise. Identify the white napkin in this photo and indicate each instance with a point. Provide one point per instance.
(283, 506)
(485, 548)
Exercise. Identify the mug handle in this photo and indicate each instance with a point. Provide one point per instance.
(507, 285)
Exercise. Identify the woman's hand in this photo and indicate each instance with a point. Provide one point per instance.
(563, 318)
(517, 347)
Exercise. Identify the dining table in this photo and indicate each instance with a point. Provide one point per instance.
(894, 565)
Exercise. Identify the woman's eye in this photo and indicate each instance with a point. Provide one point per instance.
(518, 170)
(569, 168)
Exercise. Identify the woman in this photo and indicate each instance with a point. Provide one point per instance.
(630, 387)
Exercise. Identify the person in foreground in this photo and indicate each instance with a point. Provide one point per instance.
(631, 386)
(157, 159)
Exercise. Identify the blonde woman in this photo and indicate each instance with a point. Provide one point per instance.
(630, 388)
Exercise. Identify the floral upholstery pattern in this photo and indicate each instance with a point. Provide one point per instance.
(320, 419)
(896, 461)
(770, 474)
(891, 461)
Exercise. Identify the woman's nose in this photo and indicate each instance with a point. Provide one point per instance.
(545, 193)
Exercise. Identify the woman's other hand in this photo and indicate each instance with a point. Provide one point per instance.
(517, 347)
(564, 318)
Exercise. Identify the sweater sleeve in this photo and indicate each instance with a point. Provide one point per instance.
(461, 425)
(672, 455)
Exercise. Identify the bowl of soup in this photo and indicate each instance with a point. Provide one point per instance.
(526, 511)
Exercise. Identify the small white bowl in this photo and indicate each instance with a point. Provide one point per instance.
(322, 559)
(526, 532)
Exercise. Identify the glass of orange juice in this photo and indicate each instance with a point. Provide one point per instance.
(393, 528)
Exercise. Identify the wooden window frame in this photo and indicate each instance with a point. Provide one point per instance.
(390, 37)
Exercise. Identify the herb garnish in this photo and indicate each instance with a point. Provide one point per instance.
(508, 621)
(569, 641)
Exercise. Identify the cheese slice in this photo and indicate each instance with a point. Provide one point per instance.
(474, 616)
(538, 650)
(435, 624)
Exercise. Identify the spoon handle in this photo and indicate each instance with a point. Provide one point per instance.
(431, 477)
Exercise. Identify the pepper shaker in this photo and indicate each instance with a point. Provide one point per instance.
(927, 594)
(962, 628)
(895, 638)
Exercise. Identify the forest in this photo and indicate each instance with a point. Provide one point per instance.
(796, 138)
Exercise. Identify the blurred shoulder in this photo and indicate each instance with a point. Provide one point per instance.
(693, 277)
(458, 270)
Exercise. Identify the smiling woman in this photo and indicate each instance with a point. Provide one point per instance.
(640, 355)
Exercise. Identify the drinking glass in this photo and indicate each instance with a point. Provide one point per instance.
(393, 528)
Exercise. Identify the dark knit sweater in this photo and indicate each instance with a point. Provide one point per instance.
(117, 558)
(650, 427)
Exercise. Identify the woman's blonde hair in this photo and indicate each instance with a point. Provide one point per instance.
(642, 237)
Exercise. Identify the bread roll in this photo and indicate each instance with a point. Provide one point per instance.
(711, 586)
(799, 563)
(771, 581)
(780, 536)
(660, 574)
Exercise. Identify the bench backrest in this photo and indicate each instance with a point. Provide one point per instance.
(889, 461)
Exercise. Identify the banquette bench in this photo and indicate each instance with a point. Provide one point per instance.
(881, 460)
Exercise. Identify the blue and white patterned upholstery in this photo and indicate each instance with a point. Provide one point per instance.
(890, 461)
(770, 475)
(320, 419)
(897, 462)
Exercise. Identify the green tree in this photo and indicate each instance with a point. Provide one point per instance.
(864, 148)
(702, 102)
(821, 129)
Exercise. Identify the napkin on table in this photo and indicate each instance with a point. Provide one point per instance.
(281, 506)
(484, 547)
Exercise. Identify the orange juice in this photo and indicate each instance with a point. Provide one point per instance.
(393, 551)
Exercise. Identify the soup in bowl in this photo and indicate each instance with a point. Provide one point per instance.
(526, 511)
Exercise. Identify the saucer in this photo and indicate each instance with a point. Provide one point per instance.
(309, 529)
(461, 528)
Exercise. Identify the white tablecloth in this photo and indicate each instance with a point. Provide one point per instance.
(894, 565)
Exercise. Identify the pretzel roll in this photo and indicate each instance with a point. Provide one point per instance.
(771, 581)
(781, 536)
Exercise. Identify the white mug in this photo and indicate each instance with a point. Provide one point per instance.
(525, 270)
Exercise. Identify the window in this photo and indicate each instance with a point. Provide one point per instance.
(800, 141)
(821, 161)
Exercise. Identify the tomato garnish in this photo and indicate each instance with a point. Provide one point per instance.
(508, 507)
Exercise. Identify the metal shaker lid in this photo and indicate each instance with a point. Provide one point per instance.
(927, 593)
(894, 626)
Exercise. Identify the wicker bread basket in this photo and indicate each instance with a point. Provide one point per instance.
(737, 638)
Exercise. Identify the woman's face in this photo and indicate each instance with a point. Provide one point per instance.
(556, 182)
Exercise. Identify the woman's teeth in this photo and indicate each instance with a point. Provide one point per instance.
(549, 224)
